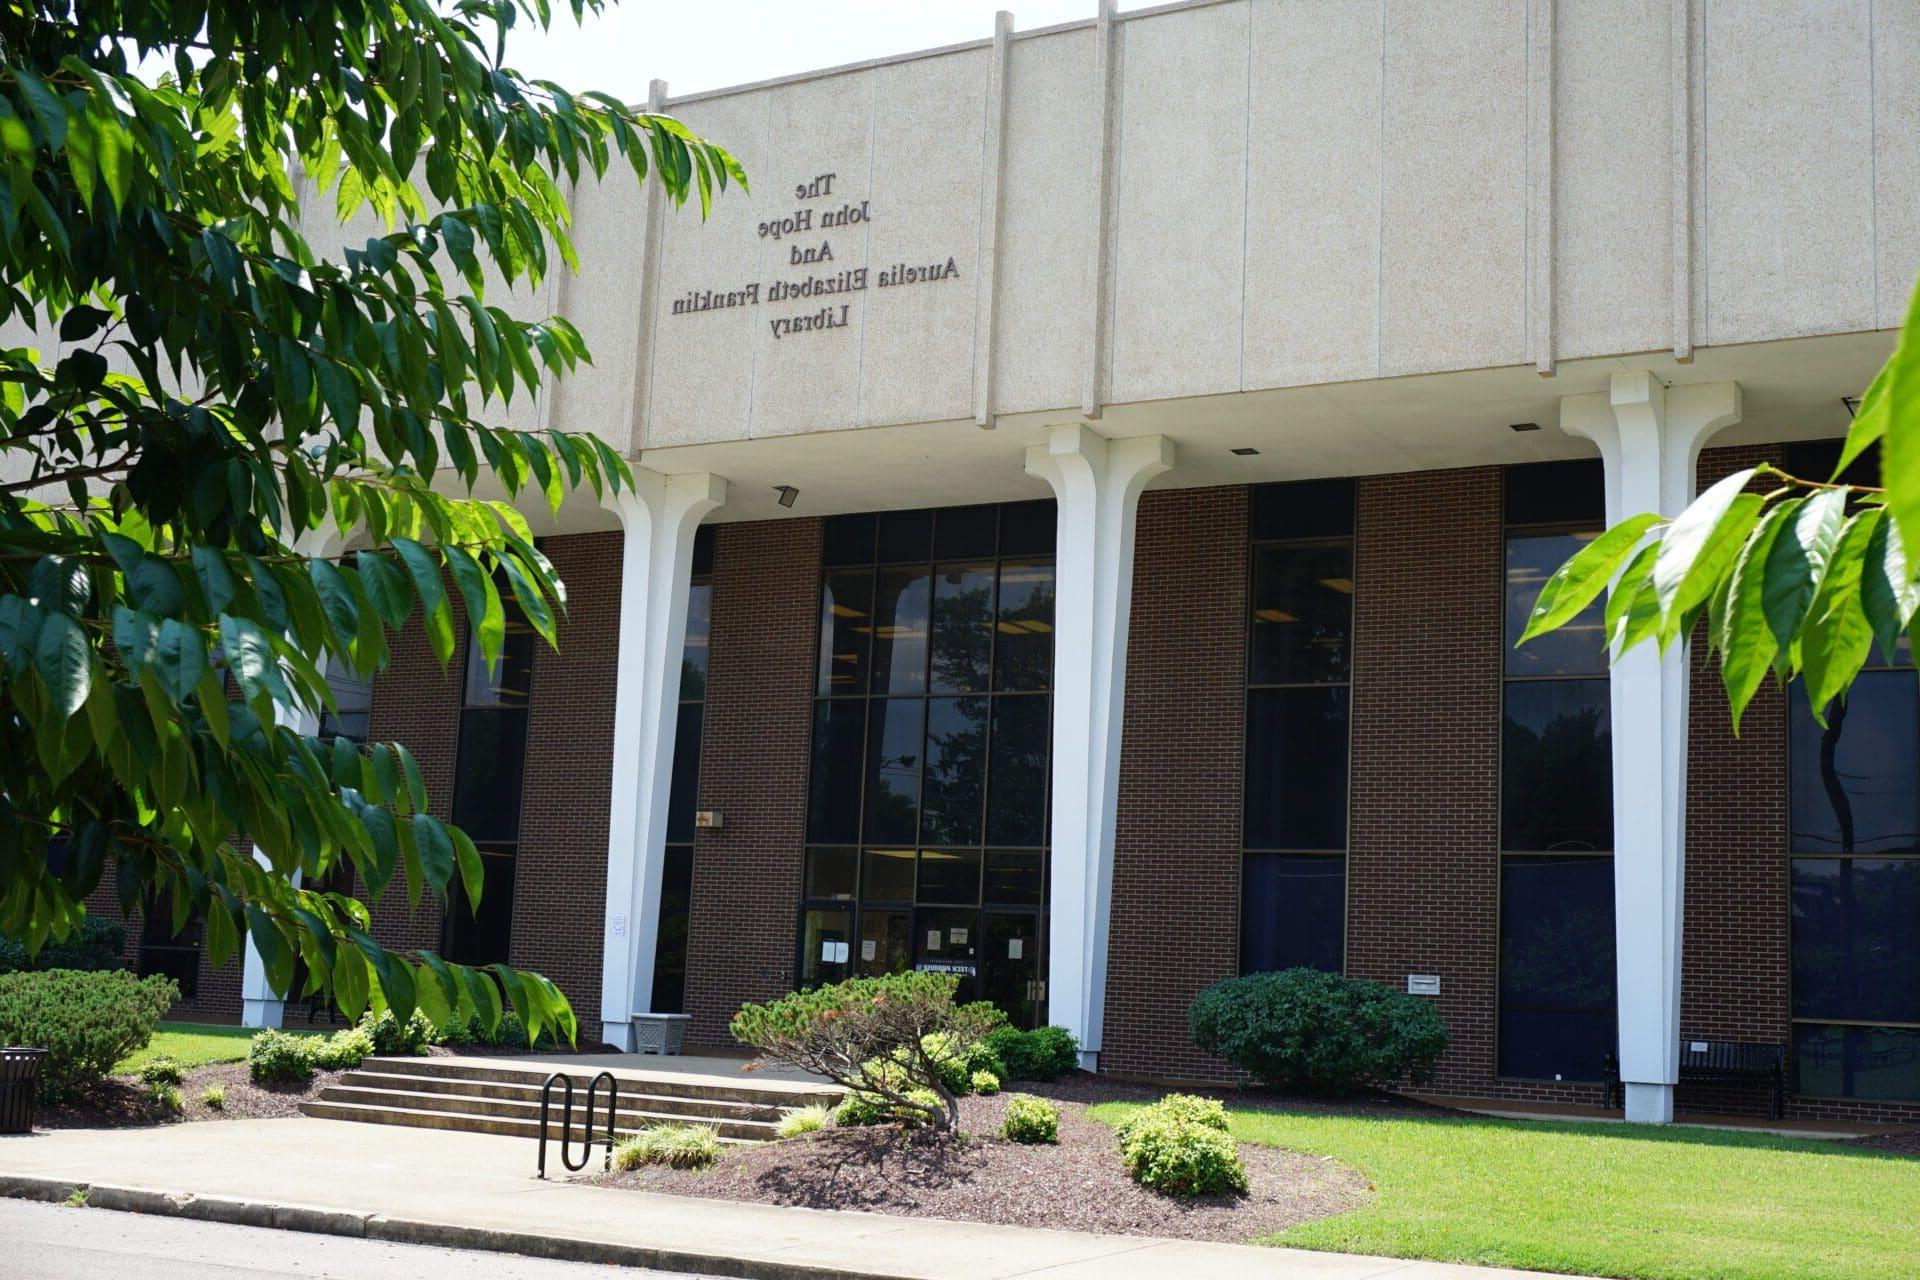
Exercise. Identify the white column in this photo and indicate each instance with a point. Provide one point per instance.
(1650, 437)
(260, 1004)
(660, 514)
(1097, 483)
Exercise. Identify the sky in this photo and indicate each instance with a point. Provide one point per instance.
(710, 44)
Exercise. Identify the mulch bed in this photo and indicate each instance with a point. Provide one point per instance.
(1078, 1185)
(122, 1102)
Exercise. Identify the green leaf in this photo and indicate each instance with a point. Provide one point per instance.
(339, 602)
(1887, 590)
(1579, 582)
(386, 850)
(60, 656)
(1747, 644)
(216, 579)
(484, 614)
(1836, 639)
(386, 588)
(435, 610)
(1702, 541)
(179, 659)
(1799, 560)
(251, 658)
(436, 850)
(472, 872)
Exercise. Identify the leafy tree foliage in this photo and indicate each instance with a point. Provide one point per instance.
(1796, 576)
(208, 399)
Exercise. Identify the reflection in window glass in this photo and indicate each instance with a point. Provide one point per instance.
(1296, 790)
(839, 746)
(1556, 766)
(1557, 969)
(683, 789)
(846, 630)
(900, 604)
(1292, 912)
(670, 944)
(353, 696)
(956, 777)
(831, 873)
(486, 785)
(1017, 772)
(1302, 613)
(962, 627)
(1577, 648)
(1857, 1062)
(894, 734)
(507, 682)
(1856, 939)
(1015, 876)
(1011, 958)
(887, 875)
(949, 875)
(826, 946)
(1023, 645)
(1856, 783)
(693, 659)
(484, 936)
(883, 942)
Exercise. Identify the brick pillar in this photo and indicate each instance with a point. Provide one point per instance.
(1176, 869)
(1423, 870)
(753, 769)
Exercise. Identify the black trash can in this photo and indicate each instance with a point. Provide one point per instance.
(19, 1082)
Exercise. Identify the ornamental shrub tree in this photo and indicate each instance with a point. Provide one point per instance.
(207, 396)
(1321, 1032)
(887, 1039)
(87, 1022)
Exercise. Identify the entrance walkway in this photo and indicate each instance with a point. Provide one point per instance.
(473, 1191)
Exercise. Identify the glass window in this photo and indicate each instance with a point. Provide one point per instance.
(1557, 974)
(931, 732)
(1302, 509)
(956, 777)
(1856, 783)
(1556, 766)
(962, 627)
(946, 940)
(353, 697)
(826, 946)
(1296, 789)
(693, 659)
(1856, 939)
(1010, 958)
(683, 790)
(1023, 640)
(1577, 648)
(1302, 613)
(670, 943)
(839, 744)
(166, 953)
(486, 786)
(508, 682)
(846, 630)
(900, 605)
(484, 936)
(894, 735)
(1293, 912)
(683, 799)
(1857, 1062)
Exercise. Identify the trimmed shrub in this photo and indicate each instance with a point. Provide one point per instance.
(86, 1021)
(890, 1037)
(985, 1083)
(1173, 1154)
(508, 1033)
(1207, 1113)
(215, 1097)
(342, 1051)
(804, 1120)
(678, 1146)
(1321, 1032)
(1045, 1053)
(160, 1071)
(1031, 1120)
(277, 1057)
(99, 944)
(394, 1038)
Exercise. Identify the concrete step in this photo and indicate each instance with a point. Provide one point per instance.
(372, 1113)
(630, 1115)
(666, 1084)
(633, 1096)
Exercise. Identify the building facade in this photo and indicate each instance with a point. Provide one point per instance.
(1087, 496)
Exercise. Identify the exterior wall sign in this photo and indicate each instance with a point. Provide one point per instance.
(825, 279)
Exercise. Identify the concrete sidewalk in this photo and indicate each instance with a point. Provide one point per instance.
(477, 1192)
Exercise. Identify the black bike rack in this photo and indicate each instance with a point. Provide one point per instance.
(565, 1081)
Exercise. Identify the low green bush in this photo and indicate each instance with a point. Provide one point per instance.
(86, 1021)
(275, 1057)
(394, 1038)
(97, 945)
(168, 1096)
(160, 1071)
(985, 1083)
(508, 1033)
(861, 1108)
(342, 1051)
(215, 1097)
(1180, 1146)
(1031, 1120)
(804, 1120)
(1045, 1053)
(678, 1146)
(1320, 1032)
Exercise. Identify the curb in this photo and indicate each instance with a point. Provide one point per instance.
(318, 1220)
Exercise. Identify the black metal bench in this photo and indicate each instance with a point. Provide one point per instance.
(1721, 1062)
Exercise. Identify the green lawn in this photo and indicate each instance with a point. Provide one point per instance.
(1638, 1201)
(191, 1044)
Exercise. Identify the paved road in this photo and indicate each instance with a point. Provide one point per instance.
(49, 1242)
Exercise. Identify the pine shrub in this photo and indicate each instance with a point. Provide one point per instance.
(86, 1021)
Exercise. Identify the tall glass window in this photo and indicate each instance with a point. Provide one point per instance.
(927, 806)
(491, 759)
(1293, 879)
(1855, 869)
(676, 877)
(1558, 1008)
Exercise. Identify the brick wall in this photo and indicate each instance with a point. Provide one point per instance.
(1176, 865)
(1422, 867)
(753, 769)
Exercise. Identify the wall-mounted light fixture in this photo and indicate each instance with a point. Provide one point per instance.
(788, 494)
(1523, 426)
(1243, 452)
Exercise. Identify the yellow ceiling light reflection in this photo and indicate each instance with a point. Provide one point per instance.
(846, 611)
(1343, 585)
(1274, 615)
